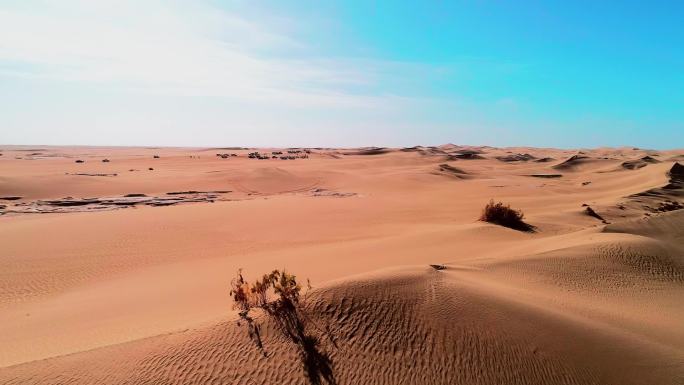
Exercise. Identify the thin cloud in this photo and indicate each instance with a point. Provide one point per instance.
(155, 47)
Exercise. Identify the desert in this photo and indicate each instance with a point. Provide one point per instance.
(119, 272)
(231, 192)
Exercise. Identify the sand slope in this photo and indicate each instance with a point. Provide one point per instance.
(409, 325)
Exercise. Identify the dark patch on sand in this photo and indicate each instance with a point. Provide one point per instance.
(589, 211)
(516, 158)
(572, 162)
(451, 170)
(369, 151)
(70, 204)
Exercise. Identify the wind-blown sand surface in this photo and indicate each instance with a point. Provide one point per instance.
(107, 278)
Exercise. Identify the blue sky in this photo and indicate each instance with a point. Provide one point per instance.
(348, 73)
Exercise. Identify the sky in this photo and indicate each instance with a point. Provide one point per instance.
(569, 74)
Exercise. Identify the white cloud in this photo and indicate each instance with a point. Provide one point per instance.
(133, 72)
(168, 47)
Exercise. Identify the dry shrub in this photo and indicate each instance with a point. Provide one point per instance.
(245, 298)
(503, 215)
(278, 296)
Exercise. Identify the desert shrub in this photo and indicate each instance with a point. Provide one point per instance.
(245, 298)
(503, 215)
(278, 296)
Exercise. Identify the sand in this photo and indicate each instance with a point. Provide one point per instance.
(117, 272)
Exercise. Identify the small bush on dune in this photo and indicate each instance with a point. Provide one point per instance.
(503, 215)
(277, 295)
(245, 298)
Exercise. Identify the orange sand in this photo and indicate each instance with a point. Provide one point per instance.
(140, 294)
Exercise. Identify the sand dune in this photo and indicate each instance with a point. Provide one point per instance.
(137, 293)
(639, 163)
(581, 162)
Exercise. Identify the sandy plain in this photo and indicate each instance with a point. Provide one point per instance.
(117, 271)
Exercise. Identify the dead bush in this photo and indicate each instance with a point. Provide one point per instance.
(278, 296)
(503, 215)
